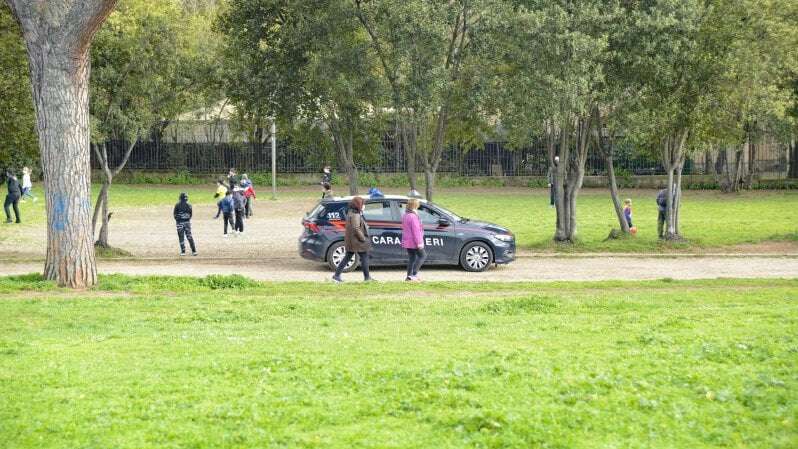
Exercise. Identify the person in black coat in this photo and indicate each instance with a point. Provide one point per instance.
(12, 197)
(182, 214)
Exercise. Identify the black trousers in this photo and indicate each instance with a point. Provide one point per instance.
(227, 217)
(661, 224)
(415, 258)
(248, 208)
(11, 201)
(184, 233)
(364, 264)
(239, 225)
(552, 194)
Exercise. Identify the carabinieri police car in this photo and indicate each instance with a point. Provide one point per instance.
(449, 239)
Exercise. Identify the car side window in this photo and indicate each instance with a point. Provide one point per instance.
(378, 211)
(335, 212)
(428, 216)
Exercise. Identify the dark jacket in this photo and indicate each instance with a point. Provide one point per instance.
(14, 190)
(662, 200)
(182, 212)
(356, 237)
(239, 200)
(225, 205)
(326, 180)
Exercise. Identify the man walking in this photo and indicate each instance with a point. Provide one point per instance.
(12, 197)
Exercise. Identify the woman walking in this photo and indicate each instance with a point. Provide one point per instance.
(356, 240)
(413, 240)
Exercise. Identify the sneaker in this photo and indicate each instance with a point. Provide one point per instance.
(194, 253)
(225, 236)
(9, 221)
(408, 279)
(370, 280)
(182, 254)
(337, 280)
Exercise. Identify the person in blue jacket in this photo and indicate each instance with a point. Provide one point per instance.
(226, 208)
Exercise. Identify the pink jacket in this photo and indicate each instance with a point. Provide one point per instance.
(412, 231)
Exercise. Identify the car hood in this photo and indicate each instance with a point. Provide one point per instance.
(484, 225)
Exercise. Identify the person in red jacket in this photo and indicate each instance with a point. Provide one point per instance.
(413, 240)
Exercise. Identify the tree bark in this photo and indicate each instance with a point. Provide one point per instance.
(673, 157)
(570, 173)
(58, 36)
(102, 198)
(409, 141)
(608, 151)
(793, 171)
(344, 144)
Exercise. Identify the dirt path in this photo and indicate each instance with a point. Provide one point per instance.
(524, 269)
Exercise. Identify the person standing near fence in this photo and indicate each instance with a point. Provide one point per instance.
(12, 197)
(356, 240)
(413, 240)
(326, 183)
(551, 177)
(183, 213)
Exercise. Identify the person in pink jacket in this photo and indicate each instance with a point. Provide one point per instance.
(413, 240)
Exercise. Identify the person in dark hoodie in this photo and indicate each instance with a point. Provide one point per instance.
(12, 197)
(182, 214)
(226, 208)
(240, 206)
(662, 206)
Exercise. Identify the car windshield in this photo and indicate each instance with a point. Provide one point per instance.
(454, 216)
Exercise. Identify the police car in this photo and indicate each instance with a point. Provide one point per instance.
(449, 239)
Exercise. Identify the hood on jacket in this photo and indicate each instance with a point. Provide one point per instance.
(184, 197)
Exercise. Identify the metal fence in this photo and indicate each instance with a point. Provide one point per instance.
(493, 159)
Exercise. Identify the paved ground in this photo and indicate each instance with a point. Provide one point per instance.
(543, 268)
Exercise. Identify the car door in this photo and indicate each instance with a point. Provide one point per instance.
(437, 237)
(385, 231)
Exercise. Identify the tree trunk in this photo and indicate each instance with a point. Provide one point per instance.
(793, 171)
(409, 141)
(749, 179)
(58, 36)
(673, 158)
(102, 239)
(429, 179)
(616, 201)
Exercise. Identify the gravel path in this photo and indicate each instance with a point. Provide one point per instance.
(524, 269)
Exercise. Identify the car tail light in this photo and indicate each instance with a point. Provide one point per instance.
(310, 226)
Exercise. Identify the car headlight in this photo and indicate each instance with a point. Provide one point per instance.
(503, 237)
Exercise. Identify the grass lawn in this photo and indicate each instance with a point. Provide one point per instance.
(227, 362)
(710, 219)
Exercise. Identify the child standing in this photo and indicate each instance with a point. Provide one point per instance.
(627, 211)
(182, 214)
(249, 194)
(12, 197)
(226, 207)
(221, 189)
(27, 185)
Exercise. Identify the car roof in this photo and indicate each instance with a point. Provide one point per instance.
(370, 197)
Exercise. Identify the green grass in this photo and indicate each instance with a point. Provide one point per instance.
(228, 362)
(710, 219)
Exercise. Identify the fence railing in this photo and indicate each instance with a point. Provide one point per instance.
(493, 159)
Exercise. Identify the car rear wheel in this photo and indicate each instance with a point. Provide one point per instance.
(476, 256)
(336, 253)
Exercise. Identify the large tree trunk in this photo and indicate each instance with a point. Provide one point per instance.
(673, 157)
(409, 141)
(616, 201)
(570, 174)
(58, 36)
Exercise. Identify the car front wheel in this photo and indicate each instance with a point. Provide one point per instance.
(476, 256)
(336, 253)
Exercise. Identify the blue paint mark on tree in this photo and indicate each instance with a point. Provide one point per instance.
(60, 213)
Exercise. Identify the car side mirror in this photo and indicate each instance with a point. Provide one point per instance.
(443, 222)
